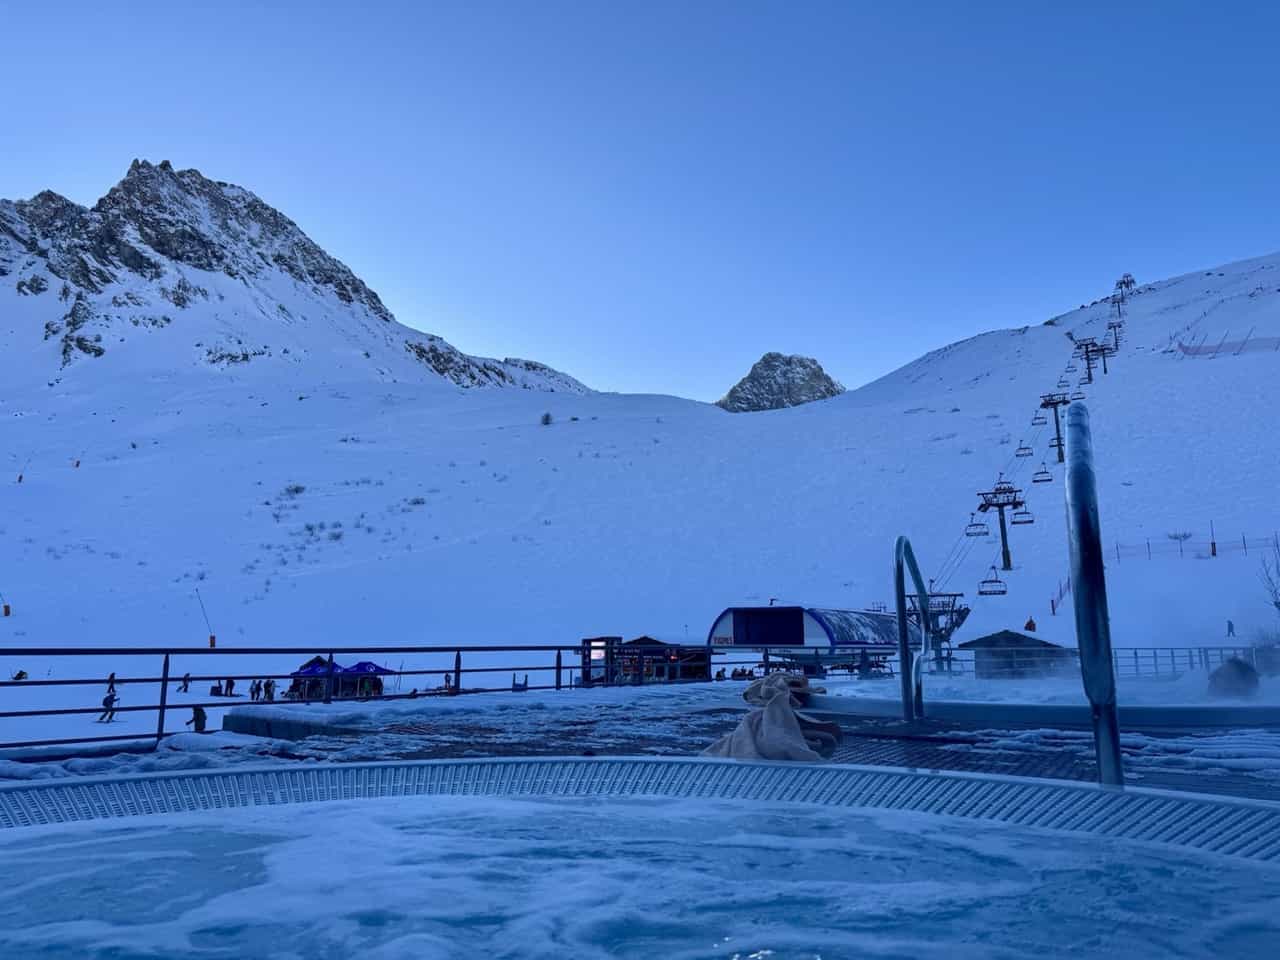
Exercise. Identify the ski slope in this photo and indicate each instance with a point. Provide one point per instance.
(307, 508)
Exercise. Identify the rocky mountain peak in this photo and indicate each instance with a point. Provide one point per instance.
(779, 380)
(167, 250)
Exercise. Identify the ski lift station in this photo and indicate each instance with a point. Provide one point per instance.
(818, 628)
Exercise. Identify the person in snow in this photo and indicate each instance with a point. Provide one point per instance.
(111, 682)
(198, 718)
(228, 687)
(253, 690)
(186, 683)
(1030, 625)
(269, 688)
(108, 708)
(1231, 629)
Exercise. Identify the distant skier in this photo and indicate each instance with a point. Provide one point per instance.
(198, 718)
(269, 689)
(20, 675)
(253, 690)
(111, 682)
(108, 708)
(229, 688)
(186, 683)
(1231, 629)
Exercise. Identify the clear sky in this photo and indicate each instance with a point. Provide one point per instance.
(649, 195)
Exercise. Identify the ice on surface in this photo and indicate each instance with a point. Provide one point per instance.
(470, 877)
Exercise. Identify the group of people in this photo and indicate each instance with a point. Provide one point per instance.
(739, 673)
(262, 690)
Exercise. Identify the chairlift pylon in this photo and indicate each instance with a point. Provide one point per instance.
(1022, 517)
(1042, 475)
(976, 527)
(992, 586)
(1023, 451)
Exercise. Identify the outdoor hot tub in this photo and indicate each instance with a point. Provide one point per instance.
(628, 857)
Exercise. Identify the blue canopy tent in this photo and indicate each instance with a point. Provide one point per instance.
(363, 679)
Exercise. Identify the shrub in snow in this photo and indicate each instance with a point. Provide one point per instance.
(546, 419)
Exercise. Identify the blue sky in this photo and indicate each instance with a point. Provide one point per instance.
(650, 195)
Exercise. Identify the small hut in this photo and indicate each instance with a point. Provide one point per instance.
(1008, 654)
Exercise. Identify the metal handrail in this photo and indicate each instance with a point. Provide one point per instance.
(1093, 622)
(904, 560)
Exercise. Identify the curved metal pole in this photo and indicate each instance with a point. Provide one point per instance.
(1093, 623)
(904, 560)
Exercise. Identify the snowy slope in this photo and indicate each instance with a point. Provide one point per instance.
(309, 508)
(171, 271)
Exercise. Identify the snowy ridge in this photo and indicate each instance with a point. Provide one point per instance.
(175, 270)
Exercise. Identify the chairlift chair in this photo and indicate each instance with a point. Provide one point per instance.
(992, 586)
(1023, 451)
(1022, 517)
(1063, 383)
(1039, 420)
(1078, 395)
(1072, 368)
(1042, 475)
(976, 527)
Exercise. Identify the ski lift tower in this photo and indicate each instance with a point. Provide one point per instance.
(1052, 401)
(1003, 496)
(1086, 348)
(947, 612)
(1104, 350)
(1115, 326)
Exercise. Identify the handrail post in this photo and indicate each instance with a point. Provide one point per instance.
(328, 682)
(912, 679)
(164, 698)
(1093, 623)
(558, 665)
(457, 671)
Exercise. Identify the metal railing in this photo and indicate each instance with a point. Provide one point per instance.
(446, 670)
(904, 562)
(1128, 662)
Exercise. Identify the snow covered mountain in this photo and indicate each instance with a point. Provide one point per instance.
(776, 381)
(171, 270)
(327, 503)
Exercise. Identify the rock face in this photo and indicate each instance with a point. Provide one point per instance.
(777, 380)
(172, 268)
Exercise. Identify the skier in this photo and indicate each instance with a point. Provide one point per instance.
(186, 683)
(269, 688)
(108, 708)
(198, 718)
(1030, 625)
(228, 687)
(111, 682)
(1231, 629)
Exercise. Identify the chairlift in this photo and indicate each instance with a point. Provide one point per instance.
(1078, 395)
(1039, 420)
(993, 586)
(976, 527)
(1023, 451)
(1022, 517)
(1063, 383)
(1042, 475)
(1072, 368)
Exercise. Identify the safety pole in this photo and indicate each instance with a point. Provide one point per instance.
(1093, 624)
(164, 698)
